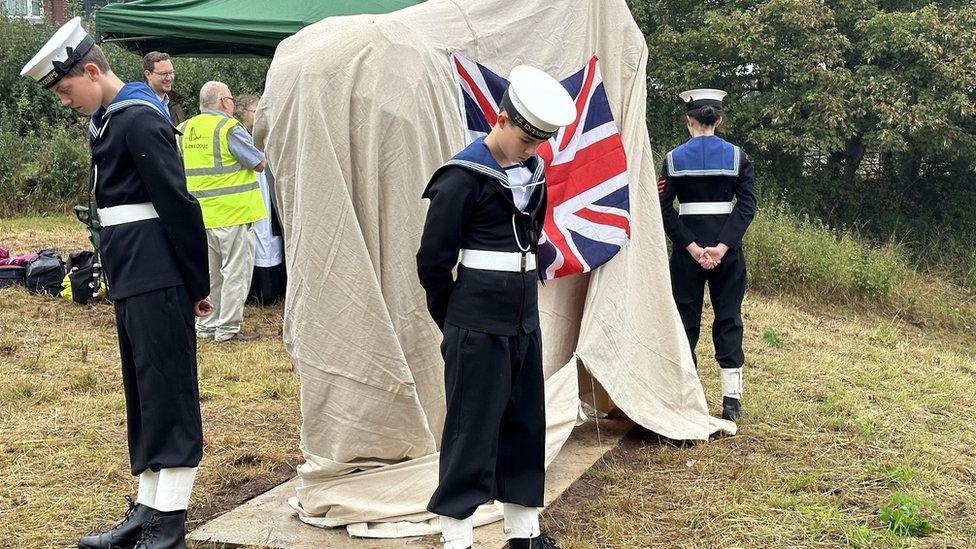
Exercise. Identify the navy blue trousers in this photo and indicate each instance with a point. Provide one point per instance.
(726, 288)
(158, 346)
(494, 441)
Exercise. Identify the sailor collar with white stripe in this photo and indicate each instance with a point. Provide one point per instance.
(705, 156)
(131, 94)
(477, 157)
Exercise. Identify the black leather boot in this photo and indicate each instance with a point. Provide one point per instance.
(164, 531)
(541, 541)
(123, 535)
(732, 409)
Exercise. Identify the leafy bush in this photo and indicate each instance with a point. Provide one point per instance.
(788, 252)
(795, 254)
(24, 106)
(43, 152)
(860, 114)
(902, 514)
(44, 171)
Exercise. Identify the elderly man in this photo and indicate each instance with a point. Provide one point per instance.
(158, 72)
(221, 173)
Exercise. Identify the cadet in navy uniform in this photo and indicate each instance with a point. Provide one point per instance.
(487, 205)
(705, 174)
(154, 251)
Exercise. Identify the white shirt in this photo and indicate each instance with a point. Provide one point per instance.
(518, 177)
(268, 248)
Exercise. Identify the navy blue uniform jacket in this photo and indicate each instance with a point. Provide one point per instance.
(471, 209)
(135, 159)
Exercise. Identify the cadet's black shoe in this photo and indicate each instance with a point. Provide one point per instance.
(164, 531)
(123, 535)
(732, 409)
(541, 541)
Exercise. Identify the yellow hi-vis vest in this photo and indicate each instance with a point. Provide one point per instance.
(228, 192)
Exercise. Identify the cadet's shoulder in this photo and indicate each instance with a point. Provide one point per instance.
(147, 113)
(743, 157)
(452, 178)
(735, 146)
(454, 172)
(742, 153)
(140, 118)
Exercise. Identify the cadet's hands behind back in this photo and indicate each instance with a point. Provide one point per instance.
(203, 307)
(710, 257)
(707, 261)
(701, 256)
(713, 255)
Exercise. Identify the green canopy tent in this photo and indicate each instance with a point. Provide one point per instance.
(214, 28)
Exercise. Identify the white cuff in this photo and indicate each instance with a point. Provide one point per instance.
(732, 382)
(148, 482)
(457, 534)
(173, 490)
(520, 522)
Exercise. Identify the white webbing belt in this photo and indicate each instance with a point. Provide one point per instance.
(126, 213)
(497, 261)
(705, 208)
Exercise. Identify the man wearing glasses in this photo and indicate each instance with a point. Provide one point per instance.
(159, 74)
(221, 165)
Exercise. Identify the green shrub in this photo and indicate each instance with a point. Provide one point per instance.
(800, 254)
(46, 171)
(43, 152)
(902, 515)
(24, 105)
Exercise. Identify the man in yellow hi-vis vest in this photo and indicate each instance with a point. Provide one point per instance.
(221, 173)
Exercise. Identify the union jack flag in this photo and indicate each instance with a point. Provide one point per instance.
(588, 219)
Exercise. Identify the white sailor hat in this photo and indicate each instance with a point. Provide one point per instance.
(537, 103)
(702, 97)
(66, 48)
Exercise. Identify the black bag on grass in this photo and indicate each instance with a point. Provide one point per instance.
(45, 273)
(11, 275)
(81, 274)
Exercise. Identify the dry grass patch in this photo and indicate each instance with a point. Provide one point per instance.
(862, 427)
(63, 458)
(861, 430)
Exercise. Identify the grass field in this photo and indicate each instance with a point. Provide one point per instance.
(63, 460)
(849, 414)
(862, 431)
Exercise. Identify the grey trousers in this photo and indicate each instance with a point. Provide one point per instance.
(231, 267)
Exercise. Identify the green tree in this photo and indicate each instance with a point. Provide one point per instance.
(860, 111)
(43, 149)
(23, 104)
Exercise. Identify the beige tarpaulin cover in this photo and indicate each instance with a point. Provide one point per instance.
(357, 113)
